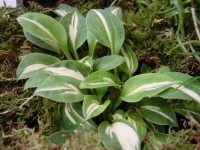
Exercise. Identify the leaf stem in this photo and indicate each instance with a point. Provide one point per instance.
(67, 54)
(118, 102)
(76, 55)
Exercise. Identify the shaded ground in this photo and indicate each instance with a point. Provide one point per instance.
(150, 34)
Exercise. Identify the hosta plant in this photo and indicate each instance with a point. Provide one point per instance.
(102, 93)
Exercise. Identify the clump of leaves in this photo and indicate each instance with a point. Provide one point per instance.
(99, 94)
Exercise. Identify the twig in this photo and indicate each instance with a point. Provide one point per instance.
(113, 3)
(24, 103)
(20, 107)
(194, 18)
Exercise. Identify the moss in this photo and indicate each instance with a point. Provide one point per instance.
(150, 33)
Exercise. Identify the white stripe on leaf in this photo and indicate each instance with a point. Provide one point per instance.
(126, 136)
(158, 111)
(65, 72)
(73, 29)
(91, 108)
(129, 61)
(71, 89)
(151, 86)
(68, 114)
(187, 91)
(105, 26)
(33, 67)
(40, 26)
(61, 12)
(115, 11)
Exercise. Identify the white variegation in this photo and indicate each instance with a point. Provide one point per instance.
(91, 108)
(158, 111)
(187, 91)
(61, 12)
(33, 67)
(115, 11)
(65, 72)
(129, 61)
(76, 118)
(105, 26)
(125, 134)
(105, 81)
(73, 29)
(39, 25)
(68, 114)
(71, 89)
(109, 80)
(151, 86)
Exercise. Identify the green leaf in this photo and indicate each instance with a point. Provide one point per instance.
(100, 79)
(46, 29)
(119, 135)
(108, 62)
(163, 69)
(61, 89)
(92, 43)
(119, 114)
(71, 118)
(33, 62)
(101, 92)
(146, 68)
(106, 28)
(145, 85)
(138, 123)
(68, 68)
(88, 61)
(131, 64)
(117, 11)
(158, 111)
(92, 106)
(64, 9)
(189, 109)
(41, 43)
(59, 137)
(187, 87)
(75, 26)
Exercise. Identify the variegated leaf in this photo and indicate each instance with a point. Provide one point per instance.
(108, 62)
(33, 62)
(92, 43)
(64, 9)
(119, 114)
(71, 118)
(119, 135)
(92, 106)
(138, 123)
(46, 29)
(75, 26)
(100, 79)
(117, 11)
(63, 71)
(61, 89)
(106, 28)
(145, 85)
(131, 64)
(190, 110)
(68, 68)
(47, 45)
(187, 87)
(158, 111)
(88, 61)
